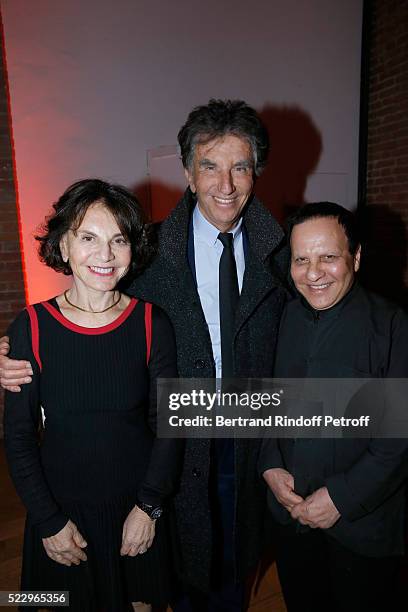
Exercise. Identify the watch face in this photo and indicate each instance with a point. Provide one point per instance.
(156, 513)
(153, 513)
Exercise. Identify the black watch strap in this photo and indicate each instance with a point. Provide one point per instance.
(153, 512)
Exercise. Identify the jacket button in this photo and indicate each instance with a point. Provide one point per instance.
(199, 364)
(196, 473)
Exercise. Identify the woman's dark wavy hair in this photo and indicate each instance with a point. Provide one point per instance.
(219, 118)
(70, 210)
(317, 210)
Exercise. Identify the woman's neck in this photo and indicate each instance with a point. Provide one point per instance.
(92, 308)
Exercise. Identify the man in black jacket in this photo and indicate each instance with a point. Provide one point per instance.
(223, 147)
(340, 502)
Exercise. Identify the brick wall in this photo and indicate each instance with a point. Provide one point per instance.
(12, 298)
(387, 151)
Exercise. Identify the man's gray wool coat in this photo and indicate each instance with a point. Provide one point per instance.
(169, 283)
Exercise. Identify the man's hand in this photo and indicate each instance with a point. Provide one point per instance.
(138, 533)
(317, 511)
(281, 484)
(66, 546)
(12, 373)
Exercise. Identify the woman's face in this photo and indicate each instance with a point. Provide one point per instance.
(98, 253)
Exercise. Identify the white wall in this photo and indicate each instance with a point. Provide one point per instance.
(95, 85)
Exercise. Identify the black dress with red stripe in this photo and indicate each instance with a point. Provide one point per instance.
(96, 453)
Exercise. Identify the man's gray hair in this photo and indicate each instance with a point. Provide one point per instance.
(219, 118)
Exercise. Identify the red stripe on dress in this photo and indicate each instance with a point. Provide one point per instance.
(148, 327)
(35, 334)
(91, 331)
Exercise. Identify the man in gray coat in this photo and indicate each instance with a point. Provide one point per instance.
(223, 146)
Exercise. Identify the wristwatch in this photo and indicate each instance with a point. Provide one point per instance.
(153, 512)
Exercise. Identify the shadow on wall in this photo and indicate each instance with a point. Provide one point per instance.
(295, 149)
(384, 253)
(156, 198)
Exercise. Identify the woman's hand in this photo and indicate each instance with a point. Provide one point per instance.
(138, 533)
(66, 546)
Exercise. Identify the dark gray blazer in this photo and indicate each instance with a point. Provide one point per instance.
(169, 283)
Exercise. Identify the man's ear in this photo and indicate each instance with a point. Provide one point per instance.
(190, 179)
(357, 258)
(63, 245)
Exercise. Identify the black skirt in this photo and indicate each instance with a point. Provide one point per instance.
(107, 581)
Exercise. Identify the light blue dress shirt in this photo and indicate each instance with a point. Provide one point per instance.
(207, 254)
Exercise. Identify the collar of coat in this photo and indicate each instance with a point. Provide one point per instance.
(169, 283)
(264, 233)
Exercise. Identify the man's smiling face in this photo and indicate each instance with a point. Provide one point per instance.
(322, 266)
(222, 178)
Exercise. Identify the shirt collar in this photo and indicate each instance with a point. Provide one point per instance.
(335, 310)
(206, 232)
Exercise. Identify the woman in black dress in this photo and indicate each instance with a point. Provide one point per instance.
(80, 439)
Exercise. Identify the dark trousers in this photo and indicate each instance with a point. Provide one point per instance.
(225, 595)
(318, 574)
